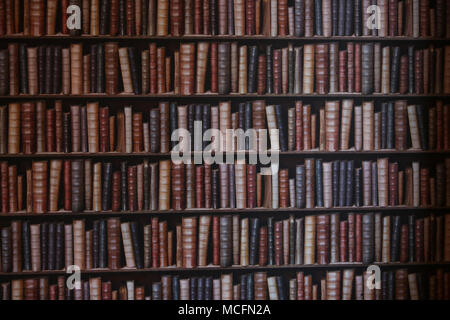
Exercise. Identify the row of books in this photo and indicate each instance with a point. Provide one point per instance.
(225, 241)
(34, 127)
(224, 67)
(347, 284)
(84, 185)
(221, 17)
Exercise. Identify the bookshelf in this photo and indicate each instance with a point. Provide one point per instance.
(147, 276)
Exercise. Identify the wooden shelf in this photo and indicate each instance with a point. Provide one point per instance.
(309, 153)
(249, 96)
(202, 211)
(212, 268)
(201, 37)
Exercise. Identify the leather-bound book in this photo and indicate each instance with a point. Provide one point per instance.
(367, 71)
(12, 189)
(111, 67)
(128, 245)
(323, 240)
(395, 239)
(401, 284)
(79, 243)
(333, 285)
(164, 185)
(310, 239)
(225, 241)
(76, 68)
(37, 17)
(77, 188)
(395, 69)
(309, 18)
(368, 245)
(132, 187)
(187, 82)
(13, 63)
(39, 186)
(299, 18)
(308, 69)
(178, 186)
(189, 242)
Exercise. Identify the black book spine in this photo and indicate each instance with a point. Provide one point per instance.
(124, 184)
(57, 62)
(104, 17)
(291, 69)
(213, 17)
(411, 69)
(384, 285)
(173, 120)
(175, 288)
(23, 68)
(248, 124)
(319, 184)
(95, 244)
(84, 128)
(208, 288)
(357, 21)
(281, 288)
(250, 285)
(254, 241)
(422, 123)
(103, 245)
(349, 6)
(243, 287)
(206, 122)
(146, 187)
(281, 127)
(384, 111)
(101, 69)
(395, 239)
(270, 244)
(26, 246)
(292, 236)
(144, 15)
(390, 139)
(342, 18)
(93, 72)
(335, 16)
(193, 288)
(318, 17)
(232, 193)
(215, 188)
(44, 245)
(107, 182)
(368, 238)
(349, 191)
(391, 285)
(269, 69)
(411, 238)
(190, 123)
(122, 18)
(395, 69)
(198, 117)
(358, 187)
(134, 69)
(299, 17)
(335, 168)
(41, 69)
(252, 63)
(135, 235)
(59, 252)
(342, 182)
(201, 288)
(48, 70)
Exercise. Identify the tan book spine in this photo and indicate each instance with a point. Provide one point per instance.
(346, 122)
(164, 185)
(383, 183)
(126, 71)
(368, 124)
(414, 127)
(202, 63)
(14, 128)
(97, 187)
(79, 243)
(308, 69)
(244, 243)
(76, 68)
(310, 239)
(127, 245)
(242, 80)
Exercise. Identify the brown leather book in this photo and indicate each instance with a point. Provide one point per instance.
(323, 230)
(178, 186)
(76, 68)
(189, 232)
(187, 60)
(14, 128)
(37, 17)
(126, 70)
(39, 186)
(310, 240)
(111, 68)
(55, 180)
(321, 75)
